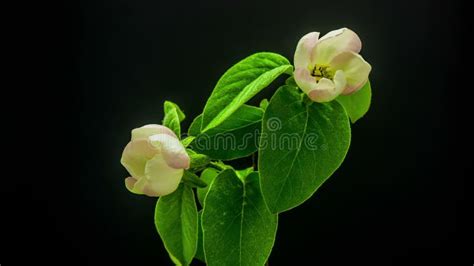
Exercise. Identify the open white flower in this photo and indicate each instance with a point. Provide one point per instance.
(331, 65)
(155, 159)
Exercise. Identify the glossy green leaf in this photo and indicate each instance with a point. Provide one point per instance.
(291, 82)
(236, 137)
(304, 143)
(176, 220)
(198, 161)
(264, 104)
(200, 249)
(207, 176)
(242, 174)
(169, 105)
(192, 180)
(186, 141)
(357, 104)
(173, 117)
(238, 228)
(240, 83)
(195, 127)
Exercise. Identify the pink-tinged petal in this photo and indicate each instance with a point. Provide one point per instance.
(149, 130)
(340, 82)
(351, 89)
(323, 91)
(304, 80)
(172, 150)
(304, 49)
(161, 178)
(135, 155)
(133, 185)
(327, 90)
(335, 42)
(355, 68)
(130, 183)
(136, 186)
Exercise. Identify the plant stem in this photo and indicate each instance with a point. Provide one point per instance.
(220, 166)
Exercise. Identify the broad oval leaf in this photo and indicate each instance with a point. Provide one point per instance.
(200, 250)
(238, 228)
(240, 83)
(191, 179)
(176, 220)
(236, 137)
(302, 144)
(195, 127)
(208, 175)
(357, 104)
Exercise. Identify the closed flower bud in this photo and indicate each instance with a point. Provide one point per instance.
(155, 159)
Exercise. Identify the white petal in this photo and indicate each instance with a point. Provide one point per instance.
(355, 68)
(335, 42)
(327, 90)
(304, 49)
(304, 80)
(135, 186)
(339, 82)
(135, 155)
(322, 92)
(130, 183)
(172, 150)
(161, 179)
(149, 130)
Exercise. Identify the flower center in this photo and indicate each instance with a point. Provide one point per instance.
(321, 71)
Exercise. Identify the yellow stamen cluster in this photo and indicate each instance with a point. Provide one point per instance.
(321, 71)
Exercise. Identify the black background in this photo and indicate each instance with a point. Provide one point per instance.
(400, 196)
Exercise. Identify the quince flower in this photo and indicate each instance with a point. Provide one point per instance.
(329, 66)
(155, 159)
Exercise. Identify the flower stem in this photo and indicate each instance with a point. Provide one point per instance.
(219, 165)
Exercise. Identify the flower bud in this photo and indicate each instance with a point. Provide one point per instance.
(155, 159)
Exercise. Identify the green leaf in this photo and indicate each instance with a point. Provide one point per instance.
(200, 250)
(195, 127)
(240, 83)
(242, 174)
(238, 228)
(357, 104)
(168, 105)
(304, 143)
(291, 82)
(176, 221)
(208, 175)
(193, 180)
(264, 104)
(198, 161)
(219, 165)
(173, 117)
(187, 141)
(236, 137)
